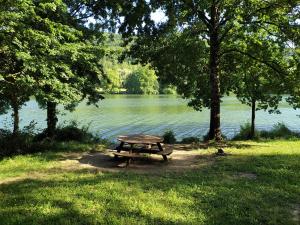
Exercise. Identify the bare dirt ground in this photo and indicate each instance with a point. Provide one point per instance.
(181, 159)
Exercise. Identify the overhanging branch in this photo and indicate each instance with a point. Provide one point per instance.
(271, 65)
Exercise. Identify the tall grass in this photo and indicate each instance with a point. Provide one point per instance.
(279, 131)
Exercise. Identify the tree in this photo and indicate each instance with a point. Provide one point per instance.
(16, 85)
(257, 87)
(223, 29)
(294, 85)
(142, 81)
(54, 51)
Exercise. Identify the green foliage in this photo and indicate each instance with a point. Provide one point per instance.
(245, 133)
(169, 137)
(72, 132)
(201, 43)
(29, 141)
(122, 73)
(190, 140)
(142, 81)
(168, 89)
(69, 131)
(279, 130)
(180, 48)
(19, 143)
(47, 51)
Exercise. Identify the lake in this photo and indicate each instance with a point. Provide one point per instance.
(129, 114)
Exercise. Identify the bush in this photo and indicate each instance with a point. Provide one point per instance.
(20, 143)
(72, 132)
(69, 132)
(169, 137)
(168, 90)
(244, 133)
(143, 80)
(27, 141)
(190, 140)
(279, 130)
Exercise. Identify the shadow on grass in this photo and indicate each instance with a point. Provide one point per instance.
(211, 195)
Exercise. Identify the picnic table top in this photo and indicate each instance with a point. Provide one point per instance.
(140, 139)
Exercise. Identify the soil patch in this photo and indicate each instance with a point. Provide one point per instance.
(179, 160)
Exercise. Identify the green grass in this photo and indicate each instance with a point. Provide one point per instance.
(213, 194)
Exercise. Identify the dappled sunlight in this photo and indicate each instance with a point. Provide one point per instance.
(193, 187)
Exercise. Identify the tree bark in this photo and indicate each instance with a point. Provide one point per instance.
(51, 118)
(211, 134)
(16, 118)
(253, 110)
(215, 124)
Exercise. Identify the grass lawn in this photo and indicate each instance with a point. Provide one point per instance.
(258, 183)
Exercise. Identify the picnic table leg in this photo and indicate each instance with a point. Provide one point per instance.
(129, 159)
(161, 149)
(119, 148)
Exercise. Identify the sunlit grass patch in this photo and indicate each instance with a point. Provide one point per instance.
(222, 192)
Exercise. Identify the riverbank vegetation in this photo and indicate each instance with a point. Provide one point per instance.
(256, 183)
(279, 131)
(29, 140)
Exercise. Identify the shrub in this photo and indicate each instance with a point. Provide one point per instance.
(69, 132)
(279, 130)
(27, 141)
(244, 133)
(168, 90)
(143, 80)
(169, 137)
(190, 140)
(72, 132)
(20, 143)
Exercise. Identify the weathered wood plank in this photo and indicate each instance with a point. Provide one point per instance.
(140, 139)
(137, 149)
(128, 155)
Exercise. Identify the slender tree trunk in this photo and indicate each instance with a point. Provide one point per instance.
(16, 118)
(215, 124)
(51, 118)
(253, 110)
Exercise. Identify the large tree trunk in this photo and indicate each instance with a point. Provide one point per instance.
(215, 124)
(253, 110)
(211, 134)
(16, 118)
(51, 118)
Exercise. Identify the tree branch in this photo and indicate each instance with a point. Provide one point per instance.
(204, 19)
(269, 64)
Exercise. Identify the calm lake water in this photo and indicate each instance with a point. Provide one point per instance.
(129, 114)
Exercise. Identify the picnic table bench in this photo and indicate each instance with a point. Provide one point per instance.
(131, 146)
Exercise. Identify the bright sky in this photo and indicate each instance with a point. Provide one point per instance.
(158, 16)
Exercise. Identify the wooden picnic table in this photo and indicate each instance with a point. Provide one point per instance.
(133, 145)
